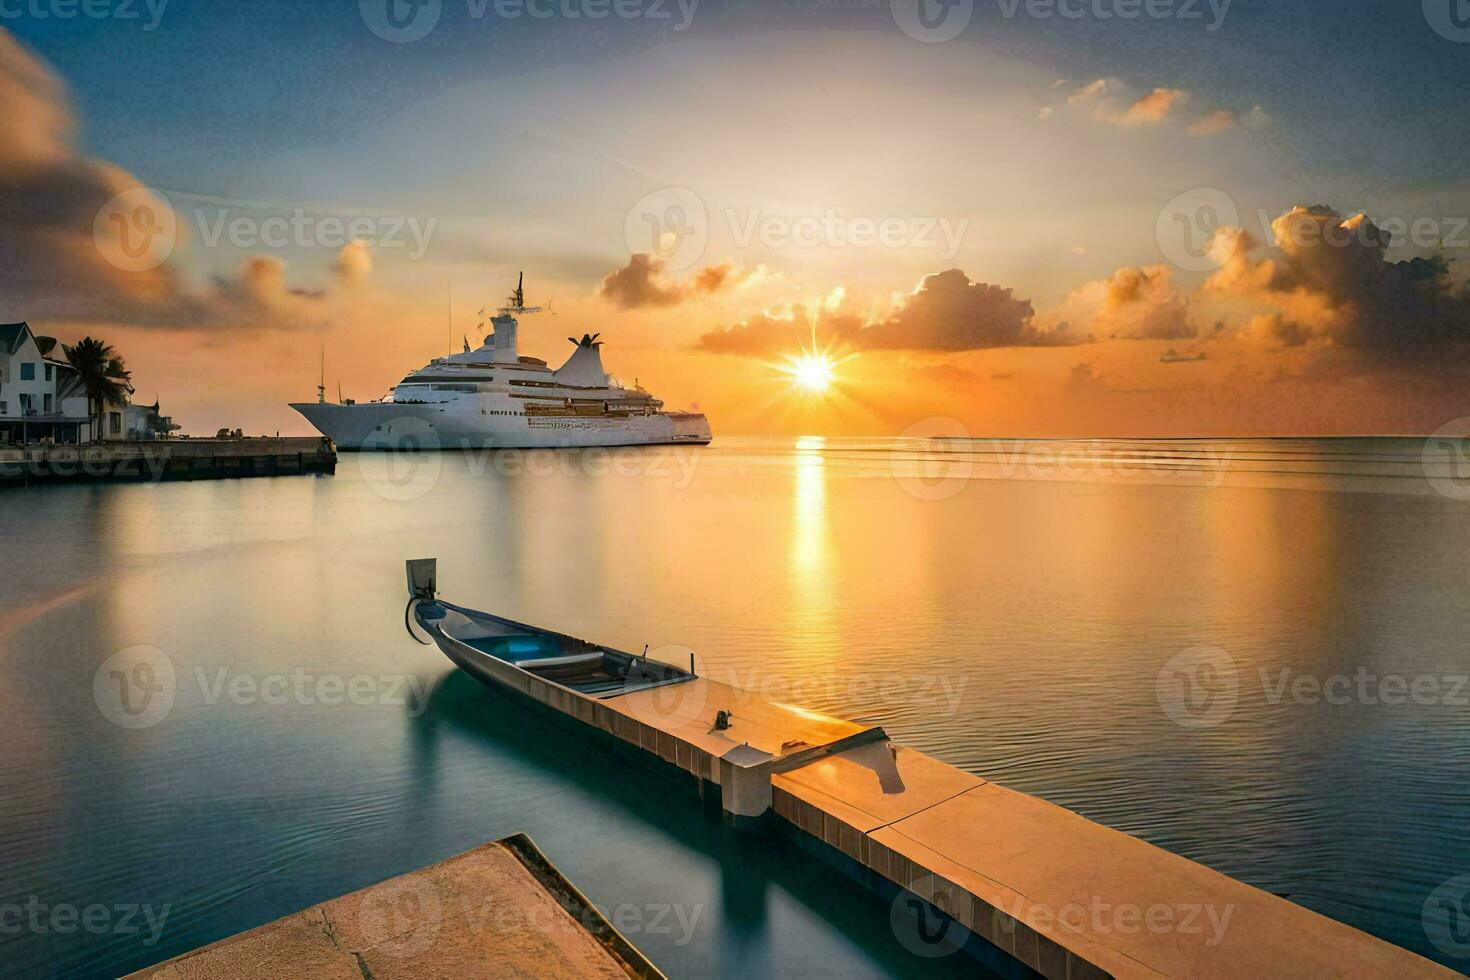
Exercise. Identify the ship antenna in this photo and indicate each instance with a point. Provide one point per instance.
(321, 384)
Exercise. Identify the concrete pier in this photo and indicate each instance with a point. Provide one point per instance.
(501, 910)
(1039, 889)
(168, 459)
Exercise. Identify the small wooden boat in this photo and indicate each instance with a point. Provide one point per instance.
(504, 653)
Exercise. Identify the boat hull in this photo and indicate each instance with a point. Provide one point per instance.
(396, 426)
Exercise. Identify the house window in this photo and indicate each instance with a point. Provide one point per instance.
(114, 423)
(46, 404)
(4, 408)
(50, 373)
(27, 371)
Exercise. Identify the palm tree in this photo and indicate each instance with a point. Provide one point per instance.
(102, 374)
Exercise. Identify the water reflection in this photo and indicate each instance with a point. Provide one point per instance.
(1016, 629)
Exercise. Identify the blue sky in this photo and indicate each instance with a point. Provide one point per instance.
(1054, 148)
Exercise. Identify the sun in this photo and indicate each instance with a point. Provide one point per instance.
(812, 372)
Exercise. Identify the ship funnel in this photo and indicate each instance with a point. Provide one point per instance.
(584, 368)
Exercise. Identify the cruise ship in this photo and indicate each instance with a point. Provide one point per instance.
(495, 397)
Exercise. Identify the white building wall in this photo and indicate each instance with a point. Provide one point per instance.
(12, 388)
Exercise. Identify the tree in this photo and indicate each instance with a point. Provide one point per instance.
(103, 376)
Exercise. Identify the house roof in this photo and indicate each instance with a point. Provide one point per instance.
(11, 335)
(45, 345)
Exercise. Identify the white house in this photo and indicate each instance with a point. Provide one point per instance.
(41, 397)
(37, 400)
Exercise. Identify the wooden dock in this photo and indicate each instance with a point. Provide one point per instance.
(168, 459)
(500, 910)
(1032, 886)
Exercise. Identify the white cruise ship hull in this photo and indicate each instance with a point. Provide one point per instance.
(390, 427)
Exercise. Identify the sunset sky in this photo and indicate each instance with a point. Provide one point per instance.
(1044, 225)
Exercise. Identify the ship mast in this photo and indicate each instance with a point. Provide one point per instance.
(516, 302)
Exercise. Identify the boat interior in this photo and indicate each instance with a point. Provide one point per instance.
(563, 660)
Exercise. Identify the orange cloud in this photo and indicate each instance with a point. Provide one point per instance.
(1153, 107)
(640, 283)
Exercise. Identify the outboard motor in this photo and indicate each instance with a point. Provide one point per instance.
(423, 581)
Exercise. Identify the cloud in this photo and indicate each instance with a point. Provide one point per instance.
(640, 283)
(1153, 107)
(949, 312)
(1222, 119)
(1132, 303)
(55, 249)
(354, 263)
(770, 333)
(946, 312)
(1327, 282)
(1216, 122)
(1114, 101)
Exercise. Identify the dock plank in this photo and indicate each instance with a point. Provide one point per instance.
(1031, 876)
(483, 913)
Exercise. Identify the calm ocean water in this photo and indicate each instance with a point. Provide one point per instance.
(1248, 652)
